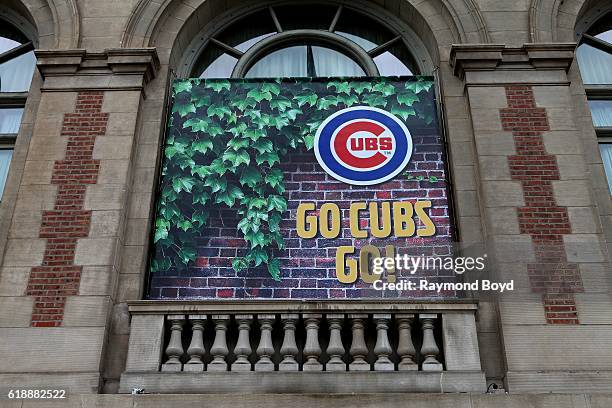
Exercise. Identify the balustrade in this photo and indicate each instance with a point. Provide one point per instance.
(352, 342)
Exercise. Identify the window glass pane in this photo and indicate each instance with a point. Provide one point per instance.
(606, 36)
(7, 44)
(360, 41)
(5, 162)
(222, 67)
(602, 113)
(16, 74)
(10, 119)
(595, 65)
(249, 43)
(389, 65)
(287, 62)
(329, 63)
(362, 27)
(606, 155)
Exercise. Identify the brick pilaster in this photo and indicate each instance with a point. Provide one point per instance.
(541, 217)
(58, 276)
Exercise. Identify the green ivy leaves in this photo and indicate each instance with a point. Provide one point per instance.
(225, 142)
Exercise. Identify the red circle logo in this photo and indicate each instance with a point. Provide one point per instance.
(363, 145)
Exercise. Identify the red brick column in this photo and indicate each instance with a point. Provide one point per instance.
(541, 218)
(58, 276)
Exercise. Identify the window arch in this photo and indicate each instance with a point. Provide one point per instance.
(17, 64)
(297, 40)
(594, 55)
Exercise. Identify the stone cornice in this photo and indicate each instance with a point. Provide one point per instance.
(136, 66)
(490, 57)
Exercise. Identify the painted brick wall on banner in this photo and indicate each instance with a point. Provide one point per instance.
(308, 266)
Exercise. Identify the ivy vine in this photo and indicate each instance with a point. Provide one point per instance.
(224, 143)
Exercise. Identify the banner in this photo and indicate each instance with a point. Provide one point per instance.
(301, 189)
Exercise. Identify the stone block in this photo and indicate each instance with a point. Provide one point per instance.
(145, 346)
(494, 168)
(13, 281)
(121, 102)
(86, 311)
(16, 311)
(47, 148)
(585, 248)
(572, 167)
(37, 172)
(95, 251)
(561, 119)
(121, 124)
(538, 348)
(130, 287)
(583, 220)
(24, 252)
(505, 221)
(486, 121)
(572, 193)
(495, 144)
(471, 229)
(133, 258)
(137, 231)
(460, 342)
(487, 97)
(25, 224)
(467, 203)
(146, 155)
(113, 172)
(57, 349)
(57, 103)
(462, 153)
(104, 223)
(113, 147)
(96, 281)
(503, 194)
(456, 107)
(105, 197)
(36, 197)
(464, 178)
(562, 142)
(460, 129)
(552, 97)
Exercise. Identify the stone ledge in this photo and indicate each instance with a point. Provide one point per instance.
(292, 306)
(488, 57)
(304, 382)
(140, 63)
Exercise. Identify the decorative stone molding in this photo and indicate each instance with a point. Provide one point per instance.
(115, 68)
(488, 57)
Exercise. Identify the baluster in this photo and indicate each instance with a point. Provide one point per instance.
(265, 350)
(196, 347)
(430, 349)
(312, 350)
(383, 348)
(289, 348)
(243, 345)
(335, 349)
(174, 351)
(219, 348)
(359, 350)
(405, 347)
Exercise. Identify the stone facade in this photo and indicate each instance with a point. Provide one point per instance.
(528, 184)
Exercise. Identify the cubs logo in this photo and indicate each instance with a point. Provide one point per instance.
(363, 145)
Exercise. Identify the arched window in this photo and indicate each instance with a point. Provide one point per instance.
(17, 64)
(594, 56)
(304, 41)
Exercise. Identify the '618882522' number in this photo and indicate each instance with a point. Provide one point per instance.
(36, 394)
